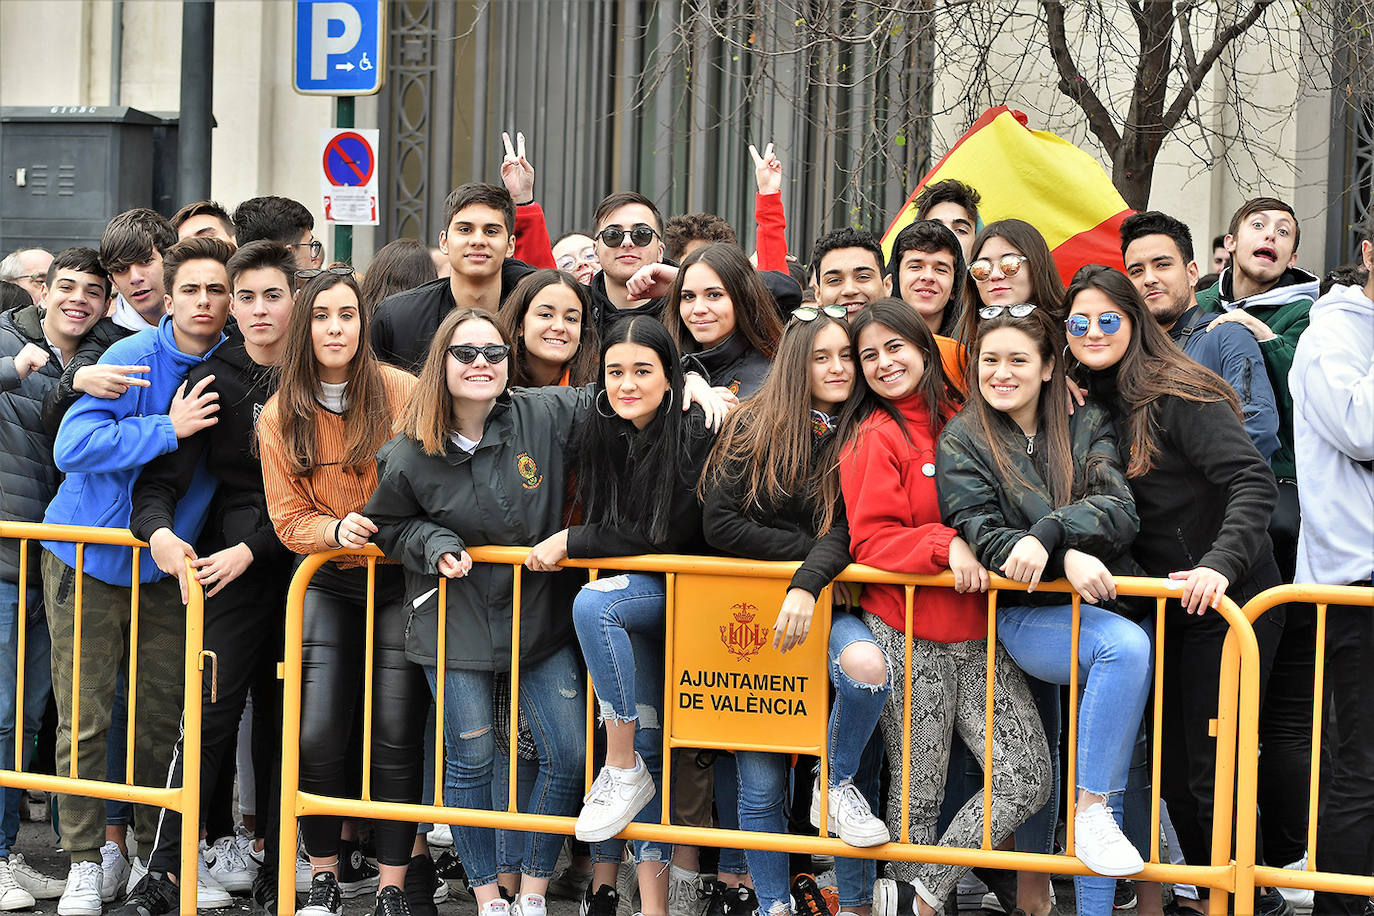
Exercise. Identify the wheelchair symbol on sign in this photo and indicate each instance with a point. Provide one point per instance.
(364, 64)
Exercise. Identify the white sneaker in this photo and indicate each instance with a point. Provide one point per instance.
(137, 869)
(114, 866)
(1101, 846)
(35, 882)
(229, 867)
(82, 896)
(684, 892)
(1300, 898)
(210, 894)
(441, 836)
(529, 905)
(615, 798)
(497, 907)
(12, 896)
(850, 817)
(248, 848)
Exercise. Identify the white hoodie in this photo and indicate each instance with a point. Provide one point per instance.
(1332, 384)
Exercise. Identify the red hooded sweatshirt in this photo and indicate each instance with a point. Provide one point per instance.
(894, 524)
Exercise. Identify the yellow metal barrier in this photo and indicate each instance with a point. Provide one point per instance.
(185, 799)
(1267, 876)
(1239, 691)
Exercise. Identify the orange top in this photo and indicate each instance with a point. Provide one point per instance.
(952, 360)
(304, 509)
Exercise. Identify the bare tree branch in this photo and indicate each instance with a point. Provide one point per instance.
(1197, 73)
(1072, 83)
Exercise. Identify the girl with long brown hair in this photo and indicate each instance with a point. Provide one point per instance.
(549, 320)
(771, 492)
(1203, 495)
(1039, 493)
(318, 438)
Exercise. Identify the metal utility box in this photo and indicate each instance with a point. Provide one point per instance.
(66, 170)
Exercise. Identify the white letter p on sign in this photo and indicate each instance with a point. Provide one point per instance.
(322, 44)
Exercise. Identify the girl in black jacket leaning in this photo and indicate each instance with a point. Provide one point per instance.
(1203, 495)
(771, 492)
(723, 318)
(639, 458)
(1040, 494)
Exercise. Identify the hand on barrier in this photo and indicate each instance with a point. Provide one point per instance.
(170, 553)
(1202, 588)
(652, 281)
(222, 567)
(193, 408)
(354, 530)
(107, 381)
(455, 567)
(794, 619)
(767, 169)
(548, 553)
(1089, 576)
(516, 172)
(1026, 562)
(29, 358)
(969, 574)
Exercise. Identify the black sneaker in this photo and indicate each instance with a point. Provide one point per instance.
(1272, 903)
(264, 892)
(391, 901)
(1125, 898)
(894, 898)
(449, 867)
(741, 901)
(325, 897)
(357, 876)
(154, 895)
(420, 889)
(1001, 884)
(713, 897)
(601, 903)
(807, 899)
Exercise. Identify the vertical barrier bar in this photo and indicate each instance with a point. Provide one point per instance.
(589, 760)
(369, 664)
(1157, 728)
(1314, 771)
(669, 696)
(189, 800)
(21, 648)
(76, 659)
(513, 736)
(440, 679)
(910, 614)
(291, 734)
(987, 721)
(131, 682)
(1071, 803)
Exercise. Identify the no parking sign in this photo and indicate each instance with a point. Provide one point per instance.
(348, 176)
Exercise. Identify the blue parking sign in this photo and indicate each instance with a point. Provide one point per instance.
(340, 46)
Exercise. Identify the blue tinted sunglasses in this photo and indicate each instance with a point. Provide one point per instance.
(1107, 322)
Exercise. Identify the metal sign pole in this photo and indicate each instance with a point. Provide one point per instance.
(343, 234)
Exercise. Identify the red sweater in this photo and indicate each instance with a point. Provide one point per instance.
(894, 524)
(532, 236)
(770, 242)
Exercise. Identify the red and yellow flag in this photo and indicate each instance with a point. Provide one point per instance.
(1036, 176)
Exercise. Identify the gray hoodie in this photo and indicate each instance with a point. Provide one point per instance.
(1332, 385)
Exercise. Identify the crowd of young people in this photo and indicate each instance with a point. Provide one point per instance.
(653, 388)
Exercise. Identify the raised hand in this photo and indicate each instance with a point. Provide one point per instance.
(767, 169)
(516, 172)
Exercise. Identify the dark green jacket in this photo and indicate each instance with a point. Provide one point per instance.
(510, 491)
(992, 513)
(1284, 308)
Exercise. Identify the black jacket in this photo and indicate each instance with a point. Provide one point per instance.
(238, 512)
(1208, 497)
(405, 322)
(992, 514)
(732, 364)
(776, 532)
(93, 346)
(28, 474)
(510, 490)
(601, 539)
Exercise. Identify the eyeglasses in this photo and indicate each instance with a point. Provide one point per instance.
(1019, 310)
(38, 277)
(305, 276)
(1008, 264)
(315, 245)
(585, 256)
(640, 235)
(812, 312)
(466, 354)
(1107, 323)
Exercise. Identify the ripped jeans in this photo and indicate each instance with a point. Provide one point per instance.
(619, 622)
(552, 699)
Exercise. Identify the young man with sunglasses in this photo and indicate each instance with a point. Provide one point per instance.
(1158, 253)
(629, 235)
(478, 239)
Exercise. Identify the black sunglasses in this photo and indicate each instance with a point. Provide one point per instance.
(640, 236)
(466, 353)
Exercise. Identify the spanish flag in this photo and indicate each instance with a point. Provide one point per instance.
(1038, 177)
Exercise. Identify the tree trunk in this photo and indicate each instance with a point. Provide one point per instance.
(1133, 176)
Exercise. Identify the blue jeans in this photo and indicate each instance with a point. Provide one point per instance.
(552, 699)
(763, 777)
(37, 686)
(619, 622)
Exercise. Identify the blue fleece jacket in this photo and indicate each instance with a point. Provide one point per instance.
(103, 444)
